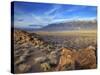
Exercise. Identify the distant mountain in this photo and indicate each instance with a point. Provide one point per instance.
(66, 26)
(72, 25)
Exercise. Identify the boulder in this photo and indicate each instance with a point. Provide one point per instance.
(23, 68)
(86, 58)
(45, 66)
(53, 58)
(40, 59)
(66, 60)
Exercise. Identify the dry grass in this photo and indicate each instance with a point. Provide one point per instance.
(70, 33)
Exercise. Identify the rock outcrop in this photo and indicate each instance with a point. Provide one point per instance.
(86, 58)
(66, 60)
(33, 54)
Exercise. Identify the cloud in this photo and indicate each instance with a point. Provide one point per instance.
(41, 20)
(35, 26)
(75, 8)
(55, 14)
(53, 10)
(32, 19)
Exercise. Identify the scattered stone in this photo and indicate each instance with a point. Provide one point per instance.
(45, 66)
(40, 59)
(24, 68)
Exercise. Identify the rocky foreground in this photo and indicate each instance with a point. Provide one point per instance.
(33, 54)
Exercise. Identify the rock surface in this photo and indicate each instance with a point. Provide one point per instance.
(33, 54)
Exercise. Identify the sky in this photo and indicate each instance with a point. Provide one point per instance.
(38, 15)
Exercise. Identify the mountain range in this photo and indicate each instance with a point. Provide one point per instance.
(67, 26)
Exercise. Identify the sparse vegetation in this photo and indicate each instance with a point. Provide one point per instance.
(38, 52)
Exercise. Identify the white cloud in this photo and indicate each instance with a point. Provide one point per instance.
(32, 19)
(46, 18)
(53, 10)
